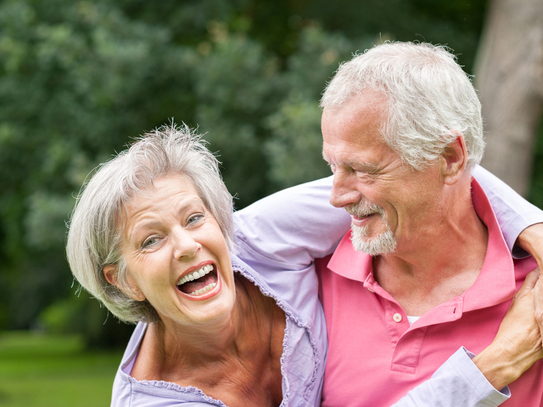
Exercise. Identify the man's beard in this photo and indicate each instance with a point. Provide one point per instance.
(383, 243)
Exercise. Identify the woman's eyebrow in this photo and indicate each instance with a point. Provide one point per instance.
(184, 206)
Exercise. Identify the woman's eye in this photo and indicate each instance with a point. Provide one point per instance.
(149, 242)
(195, 218)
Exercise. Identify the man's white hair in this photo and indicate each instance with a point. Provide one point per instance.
(430, 99)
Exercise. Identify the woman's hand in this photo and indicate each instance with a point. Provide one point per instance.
(518, 344)
(531, 240)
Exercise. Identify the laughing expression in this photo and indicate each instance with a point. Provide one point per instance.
(176, 255)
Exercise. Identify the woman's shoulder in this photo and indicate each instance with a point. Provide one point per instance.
(133, 345)
(129, 391)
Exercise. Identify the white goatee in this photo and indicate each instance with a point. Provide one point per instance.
(384, 243)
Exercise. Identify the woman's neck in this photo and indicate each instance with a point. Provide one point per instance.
(218, 340)
(226, 355)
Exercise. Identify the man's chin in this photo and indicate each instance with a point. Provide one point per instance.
(385, 243)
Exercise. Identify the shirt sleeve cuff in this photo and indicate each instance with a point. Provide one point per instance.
(462, 363)
(521, 222)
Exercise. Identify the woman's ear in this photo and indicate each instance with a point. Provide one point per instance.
(454, 160)
(110, 273)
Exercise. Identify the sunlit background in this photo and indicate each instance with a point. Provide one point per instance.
(79, 79)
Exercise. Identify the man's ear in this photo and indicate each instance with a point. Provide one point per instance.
(454, 160)
(110, 273)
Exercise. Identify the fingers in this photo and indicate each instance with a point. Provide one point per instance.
(529, 283)
(518, 342)
(538, 304)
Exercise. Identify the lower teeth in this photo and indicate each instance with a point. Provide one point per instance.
(204, 290)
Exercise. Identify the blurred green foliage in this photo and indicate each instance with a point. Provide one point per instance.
(79, 79)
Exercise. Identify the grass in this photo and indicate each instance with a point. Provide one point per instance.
(53, 371)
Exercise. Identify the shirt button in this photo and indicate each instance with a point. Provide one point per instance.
(397, 317)
(370, 290)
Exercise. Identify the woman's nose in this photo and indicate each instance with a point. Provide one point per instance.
(185, 245)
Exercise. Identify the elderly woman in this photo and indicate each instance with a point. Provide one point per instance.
(150, 237)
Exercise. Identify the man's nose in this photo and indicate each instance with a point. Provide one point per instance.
(344, 190)
(185, 245)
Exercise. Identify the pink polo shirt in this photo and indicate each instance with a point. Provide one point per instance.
(375, 357)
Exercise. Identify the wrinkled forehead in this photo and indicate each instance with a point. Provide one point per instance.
(145, 187)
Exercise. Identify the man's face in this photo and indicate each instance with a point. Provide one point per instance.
(389, 202)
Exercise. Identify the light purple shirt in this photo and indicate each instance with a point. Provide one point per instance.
(302, 361)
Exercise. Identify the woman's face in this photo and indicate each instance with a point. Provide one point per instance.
(176, 255)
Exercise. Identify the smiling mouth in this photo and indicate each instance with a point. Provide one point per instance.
(361, 217)
(198, 282)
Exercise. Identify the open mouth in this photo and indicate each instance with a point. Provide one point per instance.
(198, 282)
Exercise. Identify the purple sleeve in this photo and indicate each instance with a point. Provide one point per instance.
(290, 228)
(457, 382)
(513, 212)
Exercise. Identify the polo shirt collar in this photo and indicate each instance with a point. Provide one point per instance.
(496, 282)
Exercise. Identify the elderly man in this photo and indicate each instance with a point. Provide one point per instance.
(425, 268)
(402, 130)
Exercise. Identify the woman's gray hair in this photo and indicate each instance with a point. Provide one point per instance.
(430, 99)
(96, 225)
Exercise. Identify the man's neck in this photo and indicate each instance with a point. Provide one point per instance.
(440, 262)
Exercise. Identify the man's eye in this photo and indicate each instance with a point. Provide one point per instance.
(364, 176)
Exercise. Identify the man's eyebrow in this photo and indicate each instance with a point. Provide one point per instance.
(324, 157)
(368, 167)
(362, 165)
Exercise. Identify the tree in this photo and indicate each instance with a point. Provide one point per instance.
(509, 76)
(79, 80)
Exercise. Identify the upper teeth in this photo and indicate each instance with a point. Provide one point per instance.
(195, 275)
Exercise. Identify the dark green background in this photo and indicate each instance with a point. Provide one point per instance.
(79, 79)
